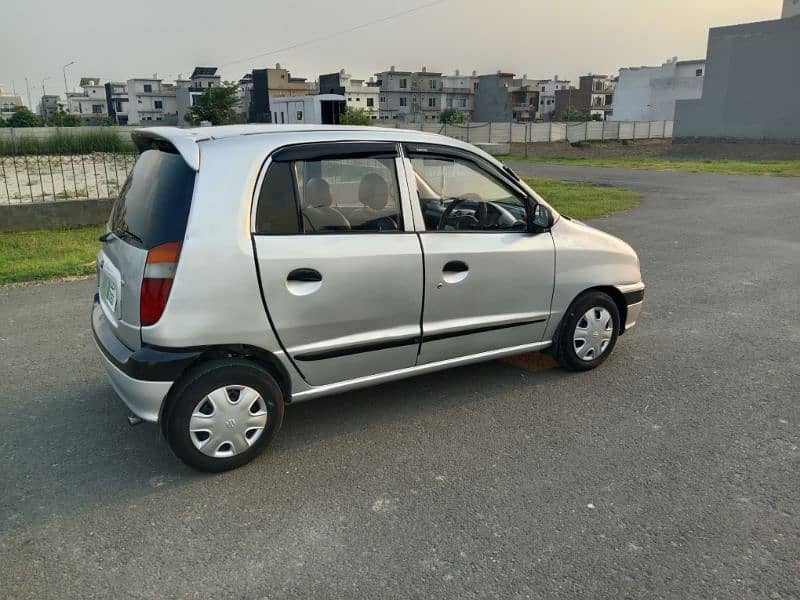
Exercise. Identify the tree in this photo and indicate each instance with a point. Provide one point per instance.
(64, 119)
(451, 116)
(23, 117)
(3, 122)
(575, 114)
(217, 105)
(354, 116)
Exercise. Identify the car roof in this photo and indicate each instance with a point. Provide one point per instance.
(187, 141)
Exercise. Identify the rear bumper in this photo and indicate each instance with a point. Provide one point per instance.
(141, 377)
(143, 398)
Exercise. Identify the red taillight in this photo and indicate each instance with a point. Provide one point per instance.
(159, 271)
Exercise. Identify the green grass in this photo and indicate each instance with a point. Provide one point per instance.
(64, 142)
(583, 200)
(780, 168)
(39, 255)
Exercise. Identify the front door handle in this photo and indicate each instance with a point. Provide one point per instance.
(305, 275)
(456, 266)
(455, 271)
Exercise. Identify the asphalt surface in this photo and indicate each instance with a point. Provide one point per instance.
(671, 471)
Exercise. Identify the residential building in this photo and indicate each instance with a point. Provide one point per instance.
(245, 93)
(151, 101)
(601, 88)
(458, 91)
(117, 101)
(595, 96)
(410, 96)
(547, 96)
(742, 58)
(49, 105)
(204, 77)
(524, 94)
(493, 100)
(273, 83)
(650, 93)
(90, 103)
(8, 103)
(359, 94)
(320, 109)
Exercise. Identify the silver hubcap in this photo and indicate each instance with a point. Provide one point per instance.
(593, 333)
(228, 421)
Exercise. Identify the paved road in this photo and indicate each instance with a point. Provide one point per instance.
(672, 471)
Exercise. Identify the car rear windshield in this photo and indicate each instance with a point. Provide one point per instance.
(153, 205)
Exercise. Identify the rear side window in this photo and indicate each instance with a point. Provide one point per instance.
(153, 206)
(331, 188)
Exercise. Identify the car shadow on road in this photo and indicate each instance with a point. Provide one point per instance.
(71, 450)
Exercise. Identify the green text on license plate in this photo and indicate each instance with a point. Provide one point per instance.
(110, 293)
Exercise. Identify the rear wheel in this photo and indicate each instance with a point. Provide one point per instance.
(222, 414)
(589, 332)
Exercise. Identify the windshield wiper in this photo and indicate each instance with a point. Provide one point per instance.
(125, 232)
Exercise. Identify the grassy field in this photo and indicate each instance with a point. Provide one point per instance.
(42, 255)
(583, 200)
(37, 255)
(782, 168)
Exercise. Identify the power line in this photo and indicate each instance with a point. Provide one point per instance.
(337, 33)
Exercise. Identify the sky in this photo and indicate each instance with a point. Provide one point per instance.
(120, 40)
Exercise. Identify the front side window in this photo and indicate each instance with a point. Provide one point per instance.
(148, 88)
(330, 195)
(403, 101)
(457, 195)
(403, 83)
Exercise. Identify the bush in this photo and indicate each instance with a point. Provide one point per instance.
(23, 117)
(451, 116)
(355, 116)
(61, 142)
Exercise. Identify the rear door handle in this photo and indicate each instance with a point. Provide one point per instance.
(455, 266)
(304, 275)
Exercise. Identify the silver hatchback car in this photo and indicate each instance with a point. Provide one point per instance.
(248, 267)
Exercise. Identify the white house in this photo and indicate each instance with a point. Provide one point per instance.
(458, 91)
(315, 110)
(90, 103)
(547, 95)
(150, 101)
(650, 93)
(8, 103)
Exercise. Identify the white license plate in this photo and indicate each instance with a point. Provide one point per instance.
(109, 285)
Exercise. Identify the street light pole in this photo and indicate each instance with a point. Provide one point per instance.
(66, 87)
(44, 93)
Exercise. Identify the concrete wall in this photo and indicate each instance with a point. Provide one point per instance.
(752, 85)
(124, 131)
(650, 93)
(54, 215)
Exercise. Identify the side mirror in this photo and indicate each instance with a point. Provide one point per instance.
(542, 218)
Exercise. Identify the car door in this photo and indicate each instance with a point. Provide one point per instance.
(339, 263)
(488, 276)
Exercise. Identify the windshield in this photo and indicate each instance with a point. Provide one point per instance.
(153, 206)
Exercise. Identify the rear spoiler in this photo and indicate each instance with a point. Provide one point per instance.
(183, 141)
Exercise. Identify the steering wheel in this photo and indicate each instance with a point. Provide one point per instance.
(465, 222)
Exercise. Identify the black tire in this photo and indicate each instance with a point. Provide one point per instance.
(566, 354)
(196, 385)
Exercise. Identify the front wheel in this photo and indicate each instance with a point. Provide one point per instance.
(222, 414)
(588, 333)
